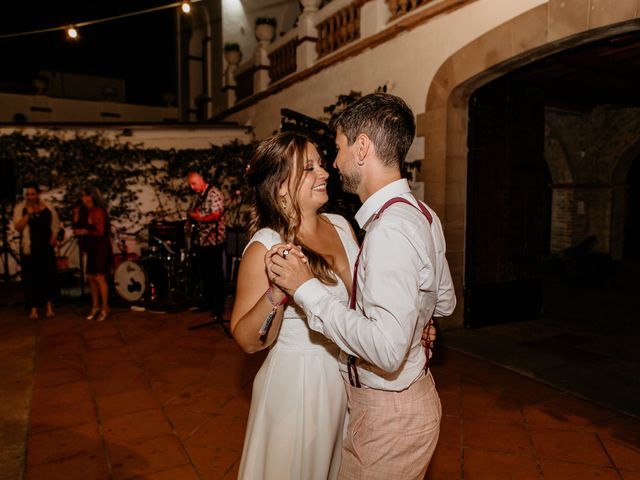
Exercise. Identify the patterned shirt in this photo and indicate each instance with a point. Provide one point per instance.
(208, 234)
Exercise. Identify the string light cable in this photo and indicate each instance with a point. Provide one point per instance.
(185, 5)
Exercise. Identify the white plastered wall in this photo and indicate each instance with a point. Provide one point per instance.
(406, 64)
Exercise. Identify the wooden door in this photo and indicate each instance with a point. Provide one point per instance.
(508, 205)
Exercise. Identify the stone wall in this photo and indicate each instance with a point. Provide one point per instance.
(584, 152)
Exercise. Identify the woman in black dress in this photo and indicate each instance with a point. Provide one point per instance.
(91, 222)
(38, 224)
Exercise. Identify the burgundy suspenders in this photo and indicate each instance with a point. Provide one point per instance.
(351, 360)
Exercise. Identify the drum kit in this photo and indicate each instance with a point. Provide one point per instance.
(164, 275)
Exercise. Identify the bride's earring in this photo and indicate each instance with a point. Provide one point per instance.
(284, 203)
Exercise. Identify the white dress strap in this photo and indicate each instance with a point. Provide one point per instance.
(266, 237)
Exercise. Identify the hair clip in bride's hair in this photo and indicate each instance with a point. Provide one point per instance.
(247, 168)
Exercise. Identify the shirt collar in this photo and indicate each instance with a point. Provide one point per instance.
(378, 199)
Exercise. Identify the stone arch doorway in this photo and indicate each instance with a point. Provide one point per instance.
(541, 32)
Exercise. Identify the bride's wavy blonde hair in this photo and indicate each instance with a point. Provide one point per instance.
(275, 161)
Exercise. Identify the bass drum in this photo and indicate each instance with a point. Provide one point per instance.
(141, 280)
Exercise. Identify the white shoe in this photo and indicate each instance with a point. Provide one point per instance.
(93, 314)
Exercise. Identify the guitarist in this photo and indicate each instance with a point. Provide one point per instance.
(208, 237)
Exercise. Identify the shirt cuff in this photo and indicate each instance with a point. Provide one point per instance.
(309, 293)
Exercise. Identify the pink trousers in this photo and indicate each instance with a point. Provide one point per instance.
(391, 435)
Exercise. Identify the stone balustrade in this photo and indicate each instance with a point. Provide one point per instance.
(319, 33)
(339, 29)
(244, 81)
(282, 59)
(397, 8)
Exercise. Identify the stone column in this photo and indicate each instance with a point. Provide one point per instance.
(233, 58)
(261, 62)
(306, 53)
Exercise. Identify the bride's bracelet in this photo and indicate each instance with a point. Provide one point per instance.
(274, 309)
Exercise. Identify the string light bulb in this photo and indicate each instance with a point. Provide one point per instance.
(186, 6)
(72, 33)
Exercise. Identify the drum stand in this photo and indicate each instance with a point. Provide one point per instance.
(216, 321)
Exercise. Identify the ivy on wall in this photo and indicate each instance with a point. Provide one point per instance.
(121, 170)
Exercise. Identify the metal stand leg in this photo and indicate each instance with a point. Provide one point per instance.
(217, 321)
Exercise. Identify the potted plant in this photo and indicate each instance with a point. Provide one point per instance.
(265, 29)
(232, 53)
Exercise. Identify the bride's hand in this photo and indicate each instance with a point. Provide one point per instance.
(287, 267)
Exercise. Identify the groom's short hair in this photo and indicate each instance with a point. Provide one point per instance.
(386, 119)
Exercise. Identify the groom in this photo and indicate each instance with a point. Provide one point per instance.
(401, 280)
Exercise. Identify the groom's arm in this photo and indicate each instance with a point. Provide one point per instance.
(382, 330)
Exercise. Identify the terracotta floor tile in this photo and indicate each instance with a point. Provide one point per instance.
(89, 467)
(624, 456)
(101, 370)
(239, 405)
(623, 428)
(451, 403)
(478, 402)
(133, 379)
(450, 431)
(214, 463)
(91, 330)
(186, 472)
(129, 368)
(144, 457)
(483, 465)
(108, 356)
(185, 422)
(136, 426)
(167, 392)
(180, 375)
(566, 411)
(60, 376)
(496, 436)
(67, 394)
(446, 382)
(60, 361)
(209, 434)
(193, 339)
(61, 324)
(58, 339)
(626, 475)
(59, 444)
(98, 343)
(44, 419)
(445, 464)
(203, 399)
(521, 388)
(578, 447)
(110, 406)
(73, 347)
(556, 470)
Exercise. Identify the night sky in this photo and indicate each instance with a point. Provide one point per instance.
(140, 49)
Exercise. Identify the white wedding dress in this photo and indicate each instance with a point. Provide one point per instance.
(298, 407)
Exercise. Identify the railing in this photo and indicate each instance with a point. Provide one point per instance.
(319, 33)
(401, 7)
(283, 60)
(244, 83)
(339, 29)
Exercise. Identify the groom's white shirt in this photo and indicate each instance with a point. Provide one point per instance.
(403, 281)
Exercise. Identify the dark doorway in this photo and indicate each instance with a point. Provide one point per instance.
(632, 223)
(508, 204)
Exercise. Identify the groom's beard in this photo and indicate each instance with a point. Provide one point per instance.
(350, 182)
